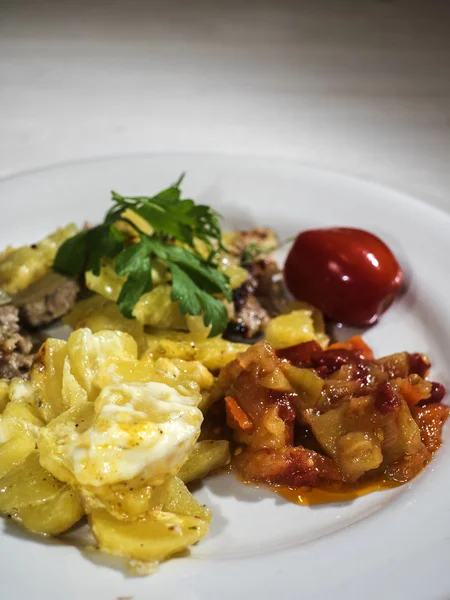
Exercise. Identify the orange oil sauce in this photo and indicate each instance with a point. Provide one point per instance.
(334, 492)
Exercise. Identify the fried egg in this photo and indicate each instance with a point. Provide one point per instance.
(139, 429)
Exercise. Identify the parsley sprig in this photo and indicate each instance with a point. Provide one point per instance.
(177, 224)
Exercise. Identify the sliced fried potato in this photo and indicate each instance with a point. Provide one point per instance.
(20, 414)
(214, 353)
(53, 439)
(293, 328)
(126, 501)
(55, 516)
(88, 352)
(206, 456)
(47, 376)
(174, 497)
(4, 394)
(192, 375)
(157, 309)
(27, 485)
(20, 267)
(14, 452)
(154, 538)
(99, 314)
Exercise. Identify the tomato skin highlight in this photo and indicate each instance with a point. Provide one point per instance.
(349, 274)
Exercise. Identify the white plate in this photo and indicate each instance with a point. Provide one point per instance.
(389, 544)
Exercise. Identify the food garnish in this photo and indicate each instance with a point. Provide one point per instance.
(177, 227)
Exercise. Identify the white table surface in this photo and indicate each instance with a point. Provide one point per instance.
(360, 86)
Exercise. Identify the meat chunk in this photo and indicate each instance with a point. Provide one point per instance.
(249, 316)
(48, 299)
(269, 288)
(263, 294)
(15, 347)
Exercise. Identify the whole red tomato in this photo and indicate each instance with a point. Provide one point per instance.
(349, 274)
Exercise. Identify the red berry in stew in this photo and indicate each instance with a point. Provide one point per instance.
(349, 274)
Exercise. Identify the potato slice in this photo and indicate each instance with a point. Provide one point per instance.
(99, 314)
(56, 515)
(20, 414)
(47, 375)
(206, 456)
(20, 267)
(126, 501)
(53, 439)
(192, 375)
(157, 309)
(174, 497)
(293, 328)
(4, 394)
(89, 352)
(14, 452)
(27, 485)
(154, 538)
(214, 352)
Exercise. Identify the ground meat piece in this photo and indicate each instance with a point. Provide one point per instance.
(15, 347)
(54, 303)
(249, 316)
(270, 288)
(263, 295)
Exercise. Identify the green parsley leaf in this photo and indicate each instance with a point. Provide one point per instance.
(196, 280)
(192, 299)
(134, 261)
(205, 276)
(215, 314)
(105, 241)
(72, 255)
(184, 292)
(84, 251)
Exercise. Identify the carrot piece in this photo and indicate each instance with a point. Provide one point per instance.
(236, 418)
(354, 343)
(411, 396)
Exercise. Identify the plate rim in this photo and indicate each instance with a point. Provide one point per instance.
(345, 175)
